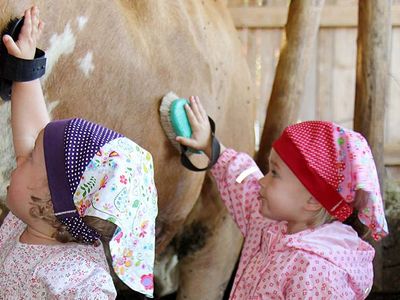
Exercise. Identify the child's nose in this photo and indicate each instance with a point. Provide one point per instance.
(262, 180)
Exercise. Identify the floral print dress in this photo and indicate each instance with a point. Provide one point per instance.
(68, 271)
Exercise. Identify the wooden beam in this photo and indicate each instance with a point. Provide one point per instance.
(275, 17)
(301, 33)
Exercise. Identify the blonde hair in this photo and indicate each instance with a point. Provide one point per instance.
(323, 217)
(43, 209)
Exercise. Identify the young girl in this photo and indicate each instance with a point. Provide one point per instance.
(75, 183)
(296, 246)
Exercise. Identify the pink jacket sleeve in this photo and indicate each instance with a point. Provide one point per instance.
(240, 198)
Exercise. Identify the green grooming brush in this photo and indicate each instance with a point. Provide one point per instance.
(174, 119)
(179, 120)
(175, 123)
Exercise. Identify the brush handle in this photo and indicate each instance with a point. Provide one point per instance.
(215, 147)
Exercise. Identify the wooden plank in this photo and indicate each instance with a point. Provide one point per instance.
(270, 45)
(392, 155)
(392, 132)
(259, 17)
(309, 98)
(276, 16)
(326, 46)
(344, 76)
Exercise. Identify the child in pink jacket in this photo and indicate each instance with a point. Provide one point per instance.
(296, 244)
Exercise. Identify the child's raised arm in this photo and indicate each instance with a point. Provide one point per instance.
(28, 109)
(238, 191)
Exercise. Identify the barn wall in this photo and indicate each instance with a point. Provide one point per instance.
(330, 88)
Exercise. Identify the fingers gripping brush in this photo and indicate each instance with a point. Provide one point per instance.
(174, 119)
(175, 122)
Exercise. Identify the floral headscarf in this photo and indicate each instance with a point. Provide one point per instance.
(102, 174)
(336, 166)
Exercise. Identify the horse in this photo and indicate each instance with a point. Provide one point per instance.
(111, 62)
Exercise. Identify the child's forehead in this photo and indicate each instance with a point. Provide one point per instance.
(274, 157)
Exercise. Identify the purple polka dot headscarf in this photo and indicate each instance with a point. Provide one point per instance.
(69, 145)
(94, 171)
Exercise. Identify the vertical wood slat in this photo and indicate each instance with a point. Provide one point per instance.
(344, 76)
(308, 98)
(324, 104)
(270, 45)
(261, 48)
(301, 30)
(372, 77)
(392, 133)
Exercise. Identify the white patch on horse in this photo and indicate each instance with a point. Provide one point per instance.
(166, 272)
(82, 20)
(86, 64)
(62, 44)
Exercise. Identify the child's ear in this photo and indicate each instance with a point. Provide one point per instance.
(312, 204)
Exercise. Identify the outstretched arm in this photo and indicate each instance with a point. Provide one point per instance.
(28, 109)
(238, 191)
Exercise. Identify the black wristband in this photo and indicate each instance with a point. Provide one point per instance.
(215, 152)
(18, 69)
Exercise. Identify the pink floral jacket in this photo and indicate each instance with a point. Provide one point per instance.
(329, 262)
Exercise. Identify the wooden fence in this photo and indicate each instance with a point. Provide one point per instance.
(330, 88)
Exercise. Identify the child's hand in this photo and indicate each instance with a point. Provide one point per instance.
(201, 130)
(31, 30)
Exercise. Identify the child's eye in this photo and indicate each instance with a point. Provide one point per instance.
(274, 173)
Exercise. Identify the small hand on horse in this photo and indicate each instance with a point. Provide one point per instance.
(201, 130)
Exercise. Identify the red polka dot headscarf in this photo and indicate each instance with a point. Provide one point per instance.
(334, 163)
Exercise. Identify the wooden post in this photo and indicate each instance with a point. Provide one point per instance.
(283, 108)
(372, 89)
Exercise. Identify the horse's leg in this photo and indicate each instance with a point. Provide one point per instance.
(208, 248)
